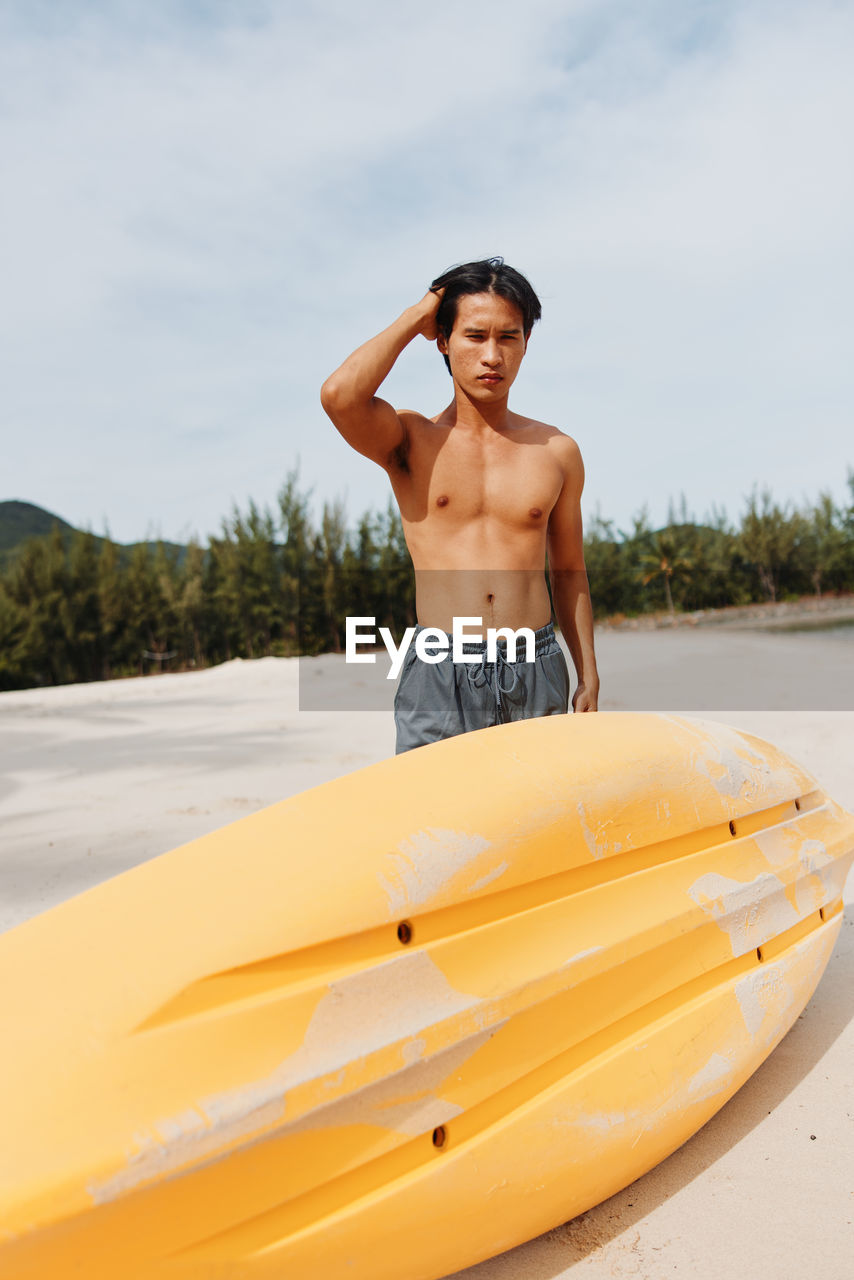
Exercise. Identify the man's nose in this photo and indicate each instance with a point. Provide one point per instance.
(491, 354)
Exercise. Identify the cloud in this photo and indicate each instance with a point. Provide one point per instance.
(208, 205)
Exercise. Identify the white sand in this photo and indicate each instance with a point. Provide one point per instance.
(96, 778)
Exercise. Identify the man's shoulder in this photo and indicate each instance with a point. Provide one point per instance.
(565, 446)
(559, 442)
(414, 422)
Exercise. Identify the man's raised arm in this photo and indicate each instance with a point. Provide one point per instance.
(349, 395)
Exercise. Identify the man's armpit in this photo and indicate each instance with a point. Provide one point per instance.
(398, 458)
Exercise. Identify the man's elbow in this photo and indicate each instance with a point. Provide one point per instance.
(340, 403)
(330, 396)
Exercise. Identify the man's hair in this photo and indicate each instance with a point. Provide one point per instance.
(491, 275)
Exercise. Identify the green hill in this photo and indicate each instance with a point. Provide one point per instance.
(20, 521)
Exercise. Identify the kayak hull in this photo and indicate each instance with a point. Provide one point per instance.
(415, 1016)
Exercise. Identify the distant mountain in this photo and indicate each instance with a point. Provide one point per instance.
(20, 521)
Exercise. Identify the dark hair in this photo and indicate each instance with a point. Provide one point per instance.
(491, 275)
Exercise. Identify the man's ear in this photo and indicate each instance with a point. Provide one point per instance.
(442, 342)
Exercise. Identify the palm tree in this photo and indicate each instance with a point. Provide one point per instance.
(665, 558)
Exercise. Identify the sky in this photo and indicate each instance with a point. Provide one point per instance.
(207, 204)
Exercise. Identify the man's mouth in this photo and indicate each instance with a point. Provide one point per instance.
(489, 377)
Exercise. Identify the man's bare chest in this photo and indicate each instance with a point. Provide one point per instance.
(460, 479)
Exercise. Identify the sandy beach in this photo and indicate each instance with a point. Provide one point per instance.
(97, 778)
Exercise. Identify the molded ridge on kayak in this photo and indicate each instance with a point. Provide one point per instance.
(485, 985)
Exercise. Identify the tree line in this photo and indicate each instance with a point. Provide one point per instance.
(74, 607)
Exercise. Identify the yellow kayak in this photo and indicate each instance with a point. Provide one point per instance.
(415, 1016)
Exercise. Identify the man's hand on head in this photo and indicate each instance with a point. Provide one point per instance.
(429, 307)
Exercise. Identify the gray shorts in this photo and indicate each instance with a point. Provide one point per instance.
(435, 701)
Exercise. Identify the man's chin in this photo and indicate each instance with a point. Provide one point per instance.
(490, 390)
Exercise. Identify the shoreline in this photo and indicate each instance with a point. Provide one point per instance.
(807, 613)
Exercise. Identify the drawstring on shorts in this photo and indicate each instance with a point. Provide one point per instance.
(490, 673)
(436, 700)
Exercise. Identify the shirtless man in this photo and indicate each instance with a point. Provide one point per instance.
(482, 493)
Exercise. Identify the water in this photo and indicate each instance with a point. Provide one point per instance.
(843, 628)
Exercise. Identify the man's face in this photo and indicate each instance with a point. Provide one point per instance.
(486, 345)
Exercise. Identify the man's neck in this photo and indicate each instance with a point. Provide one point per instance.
(473, 416)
